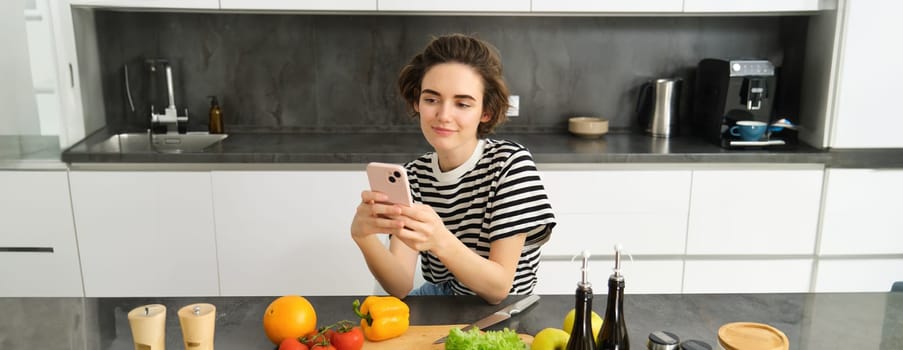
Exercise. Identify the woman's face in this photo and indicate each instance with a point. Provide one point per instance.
(451, 108)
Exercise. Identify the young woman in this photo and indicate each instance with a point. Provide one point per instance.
(481, 212)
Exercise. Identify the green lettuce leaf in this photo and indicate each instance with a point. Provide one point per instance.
(490, 340)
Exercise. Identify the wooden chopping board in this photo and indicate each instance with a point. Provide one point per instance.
(422, 337)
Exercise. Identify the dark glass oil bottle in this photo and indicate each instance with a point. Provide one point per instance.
(613, 335)
(582, 331)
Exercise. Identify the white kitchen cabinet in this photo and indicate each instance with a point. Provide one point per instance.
(641, 276)
(867, 79)
(288, 232)
(757, 5)
(862, 212)
(300, 5)
(38, 253)
(42, 61)
(754, 211)
(145, 233)
(160, 4)
(645, 211)
(455, 6)
(857, 275)
(747, 276)
(71, 118)
(77, 70)
(608, 6)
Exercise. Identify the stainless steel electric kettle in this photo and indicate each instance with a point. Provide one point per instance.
(658, 106)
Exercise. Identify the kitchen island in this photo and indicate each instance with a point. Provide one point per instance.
(810, 321)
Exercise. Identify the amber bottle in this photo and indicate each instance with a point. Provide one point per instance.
(216, 117)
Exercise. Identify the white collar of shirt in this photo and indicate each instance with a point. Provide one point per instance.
(456, 173)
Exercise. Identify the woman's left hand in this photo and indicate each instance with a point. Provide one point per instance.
(423, 228)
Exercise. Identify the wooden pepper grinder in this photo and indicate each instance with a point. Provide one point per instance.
(148, 324)
(198, 325)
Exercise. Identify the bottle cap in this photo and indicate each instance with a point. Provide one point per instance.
(584, 269)
(662, 340)
(751, 335)
(695, 345)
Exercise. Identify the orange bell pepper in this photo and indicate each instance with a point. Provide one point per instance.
(382, 317)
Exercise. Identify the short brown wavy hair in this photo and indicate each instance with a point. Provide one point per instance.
(464, 49)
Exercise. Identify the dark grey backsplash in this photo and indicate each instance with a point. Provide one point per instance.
(313, 73)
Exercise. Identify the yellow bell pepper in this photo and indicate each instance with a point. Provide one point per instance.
(382, 317)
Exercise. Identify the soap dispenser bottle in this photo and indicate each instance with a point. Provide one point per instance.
(216, 117)
(582, 331)
(613, 335)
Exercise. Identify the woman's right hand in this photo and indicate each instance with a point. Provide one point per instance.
(374, 216)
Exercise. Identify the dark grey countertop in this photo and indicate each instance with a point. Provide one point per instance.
(403, 147)
(357, 148)
(810, 321)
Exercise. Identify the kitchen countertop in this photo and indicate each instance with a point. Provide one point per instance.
(30, 151)
(810, 321)
(403, 147)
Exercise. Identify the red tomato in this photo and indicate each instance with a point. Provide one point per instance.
(351, 339)
(329, 334)
(323, 347)
(292, 344)
(314, 338)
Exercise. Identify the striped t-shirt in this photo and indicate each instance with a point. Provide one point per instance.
(497, 193)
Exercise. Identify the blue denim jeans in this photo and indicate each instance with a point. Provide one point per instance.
(427, 288)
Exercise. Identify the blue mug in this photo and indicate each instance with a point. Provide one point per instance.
(749, 130)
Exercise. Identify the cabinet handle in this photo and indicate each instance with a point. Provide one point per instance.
(27, 249)
(71, 76)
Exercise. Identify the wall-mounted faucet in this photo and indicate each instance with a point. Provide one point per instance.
(170, 117)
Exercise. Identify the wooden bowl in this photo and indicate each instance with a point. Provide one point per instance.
(588, 127)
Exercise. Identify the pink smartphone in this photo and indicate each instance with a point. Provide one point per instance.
(391, 179)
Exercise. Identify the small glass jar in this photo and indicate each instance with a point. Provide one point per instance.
(662, 340)
(693, 344)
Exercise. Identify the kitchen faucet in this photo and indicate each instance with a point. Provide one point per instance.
(170, 117)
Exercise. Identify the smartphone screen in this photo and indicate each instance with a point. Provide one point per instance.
(392, 180)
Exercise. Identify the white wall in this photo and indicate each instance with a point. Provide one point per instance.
(19, 110)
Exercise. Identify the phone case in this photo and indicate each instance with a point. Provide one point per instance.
(391, 179)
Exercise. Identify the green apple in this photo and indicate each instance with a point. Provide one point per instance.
(596, 323)
(550, 339)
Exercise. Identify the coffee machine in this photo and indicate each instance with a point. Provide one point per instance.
(728, 91)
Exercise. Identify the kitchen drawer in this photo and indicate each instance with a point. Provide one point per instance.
(754, 211)
(455, 6)
(288, 232)
(748, 276)
(618, 191)
(857, 275)
(34, 209)
(641, 276)
(38, 253)
(862, 212)
(150, 4)
(300, 5)
(638, 233)
(145, 233)
(757, 6)
(40, 274)
(613, 6)
(645, 211)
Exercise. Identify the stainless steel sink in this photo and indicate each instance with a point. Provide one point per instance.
(165, 143)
